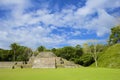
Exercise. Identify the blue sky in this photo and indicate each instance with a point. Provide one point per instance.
(56, 23)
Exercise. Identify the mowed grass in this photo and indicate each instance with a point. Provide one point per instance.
(60, 74)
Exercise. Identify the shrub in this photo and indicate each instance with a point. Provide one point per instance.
(85, 60)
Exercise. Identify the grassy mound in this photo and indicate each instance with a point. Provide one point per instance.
(60, 74)
(110, 58)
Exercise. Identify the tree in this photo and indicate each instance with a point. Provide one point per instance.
(93, 50)
(27, 54)
(68, 52)
(14, 47)
(17, 53)
(41, 48)
(86, 48)
(78, 46)
(78, 51)
(86, 59)
(115, 35)
(21, 53)
(53, 50)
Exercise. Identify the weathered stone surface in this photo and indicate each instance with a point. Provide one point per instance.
(44, 60)
(44, 63)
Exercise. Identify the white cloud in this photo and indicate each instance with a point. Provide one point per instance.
(9, 2)
(35, 28)
(16, 5)
(76, 42)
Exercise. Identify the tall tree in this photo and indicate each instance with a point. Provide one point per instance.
(93, 50)
(27, 54)
(14, 47)
(115, 35)
(21, 53)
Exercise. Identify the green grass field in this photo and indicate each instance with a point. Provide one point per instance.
(60, 74)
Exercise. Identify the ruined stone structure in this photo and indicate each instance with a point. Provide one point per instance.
(44, 60)
(44, 63)
(49, 60)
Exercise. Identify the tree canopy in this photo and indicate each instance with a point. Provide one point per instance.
(115, 35)
(41, 48)
(17, 53)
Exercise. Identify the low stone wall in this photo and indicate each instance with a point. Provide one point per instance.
(9, 64)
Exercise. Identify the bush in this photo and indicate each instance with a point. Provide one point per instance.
(85, 60)
(78, 61)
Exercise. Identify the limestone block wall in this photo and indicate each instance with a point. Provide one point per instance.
(6, 64)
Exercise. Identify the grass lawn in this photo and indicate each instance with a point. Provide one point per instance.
(60, 74)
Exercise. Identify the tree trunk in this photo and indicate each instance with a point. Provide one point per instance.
(96, 62)
(95, 55)
(14, 55)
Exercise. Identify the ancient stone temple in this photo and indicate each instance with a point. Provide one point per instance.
(49, 60)
(44, 60)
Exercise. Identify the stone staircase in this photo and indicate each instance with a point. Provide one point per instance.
(49, 60)
(63, 63)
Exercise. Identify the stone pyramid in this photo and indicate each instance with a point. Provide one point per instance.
(44, 60)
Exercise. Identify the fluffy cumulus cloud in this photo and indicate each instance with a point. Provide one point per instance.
(24, 22)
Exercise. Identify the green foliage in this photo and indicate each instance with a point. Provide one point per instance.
(41, 48)
(69, 52)
(5, 55)
(77, 55)
(78, 51)
(85, 60)
(99, 48)
(17, 53)
(91, 53)
(110, 57)
(53, 50)
(115, 35)
(66, 52)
